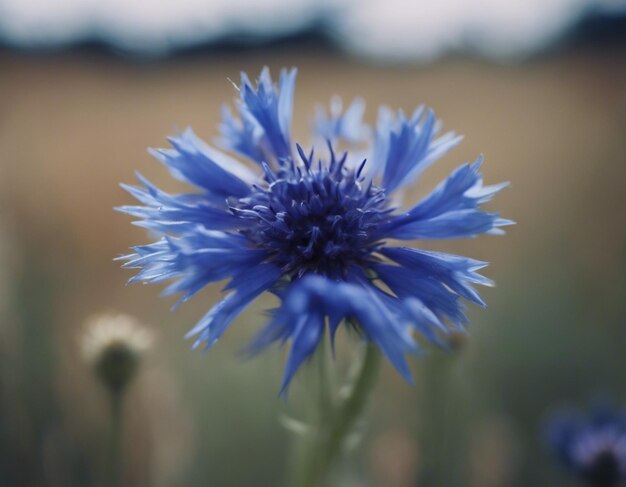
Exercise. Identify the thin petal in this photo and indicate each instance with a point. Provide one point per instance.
(241, 135)
(452, 210)
(271, 106)
(176, 214)
(454, 271)
(308, 300)
(193, 161)
(197, 259)
(304, 342)
(256, 281)
(405, 147)
(442, 301)
(343, 125)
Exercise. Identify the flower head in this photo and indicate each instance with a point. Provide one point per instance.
(314, 229)
(592, 447)
(113, 346)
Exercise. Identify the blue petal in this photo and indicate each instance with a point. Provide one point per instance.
(382, 327)
(247, 285)
(197, 259)
(454, 271)
(404, 283)
(453, 224)
(243, 136)
(272, 108)
(413, 311)
(345, 125)
(193, 161)
(176, 214)
(451, 210)
(406, 147)
(308, 300)
(305, 339)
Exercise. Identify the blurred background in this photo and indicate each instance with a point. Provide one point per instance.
(539, 87)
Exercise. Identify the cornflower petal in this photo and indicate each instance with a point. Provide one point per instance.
(242, 136)
(343, 125)
(452, 210)
(405, 147)
(247, 286)
(192, 160)
(272, 108)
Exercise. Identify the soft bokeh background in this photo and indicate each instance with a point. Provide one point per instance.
(74, 122)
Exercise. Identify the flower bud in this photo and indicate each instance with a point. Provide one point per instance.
(113, 345)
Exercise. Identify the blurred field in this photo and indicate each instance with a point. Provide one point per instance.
(72, 126)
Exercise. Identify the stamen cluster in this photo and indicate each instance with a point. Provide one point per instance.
(314, 219)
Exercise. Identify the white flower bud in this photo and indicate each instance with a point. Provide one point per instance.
(113, 346)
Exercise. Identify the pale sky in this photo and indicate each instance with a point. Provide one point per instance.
(391, 30)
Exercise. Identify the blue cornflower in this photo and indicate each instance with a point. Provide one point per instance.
(314, 231)
(593, 447)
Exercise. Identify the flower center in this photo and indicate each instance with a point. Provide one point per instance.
(315, 220)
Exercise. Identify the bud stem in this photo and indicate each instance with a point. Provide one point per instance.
(113, 472)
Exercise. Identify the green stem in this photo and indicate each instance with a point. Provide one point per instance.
(112, 474)
(324, 384)
(334, 429)
(436, 416)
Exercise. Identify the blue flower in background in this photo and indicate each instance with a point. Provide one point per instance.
(593, 447)
(314, 230)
